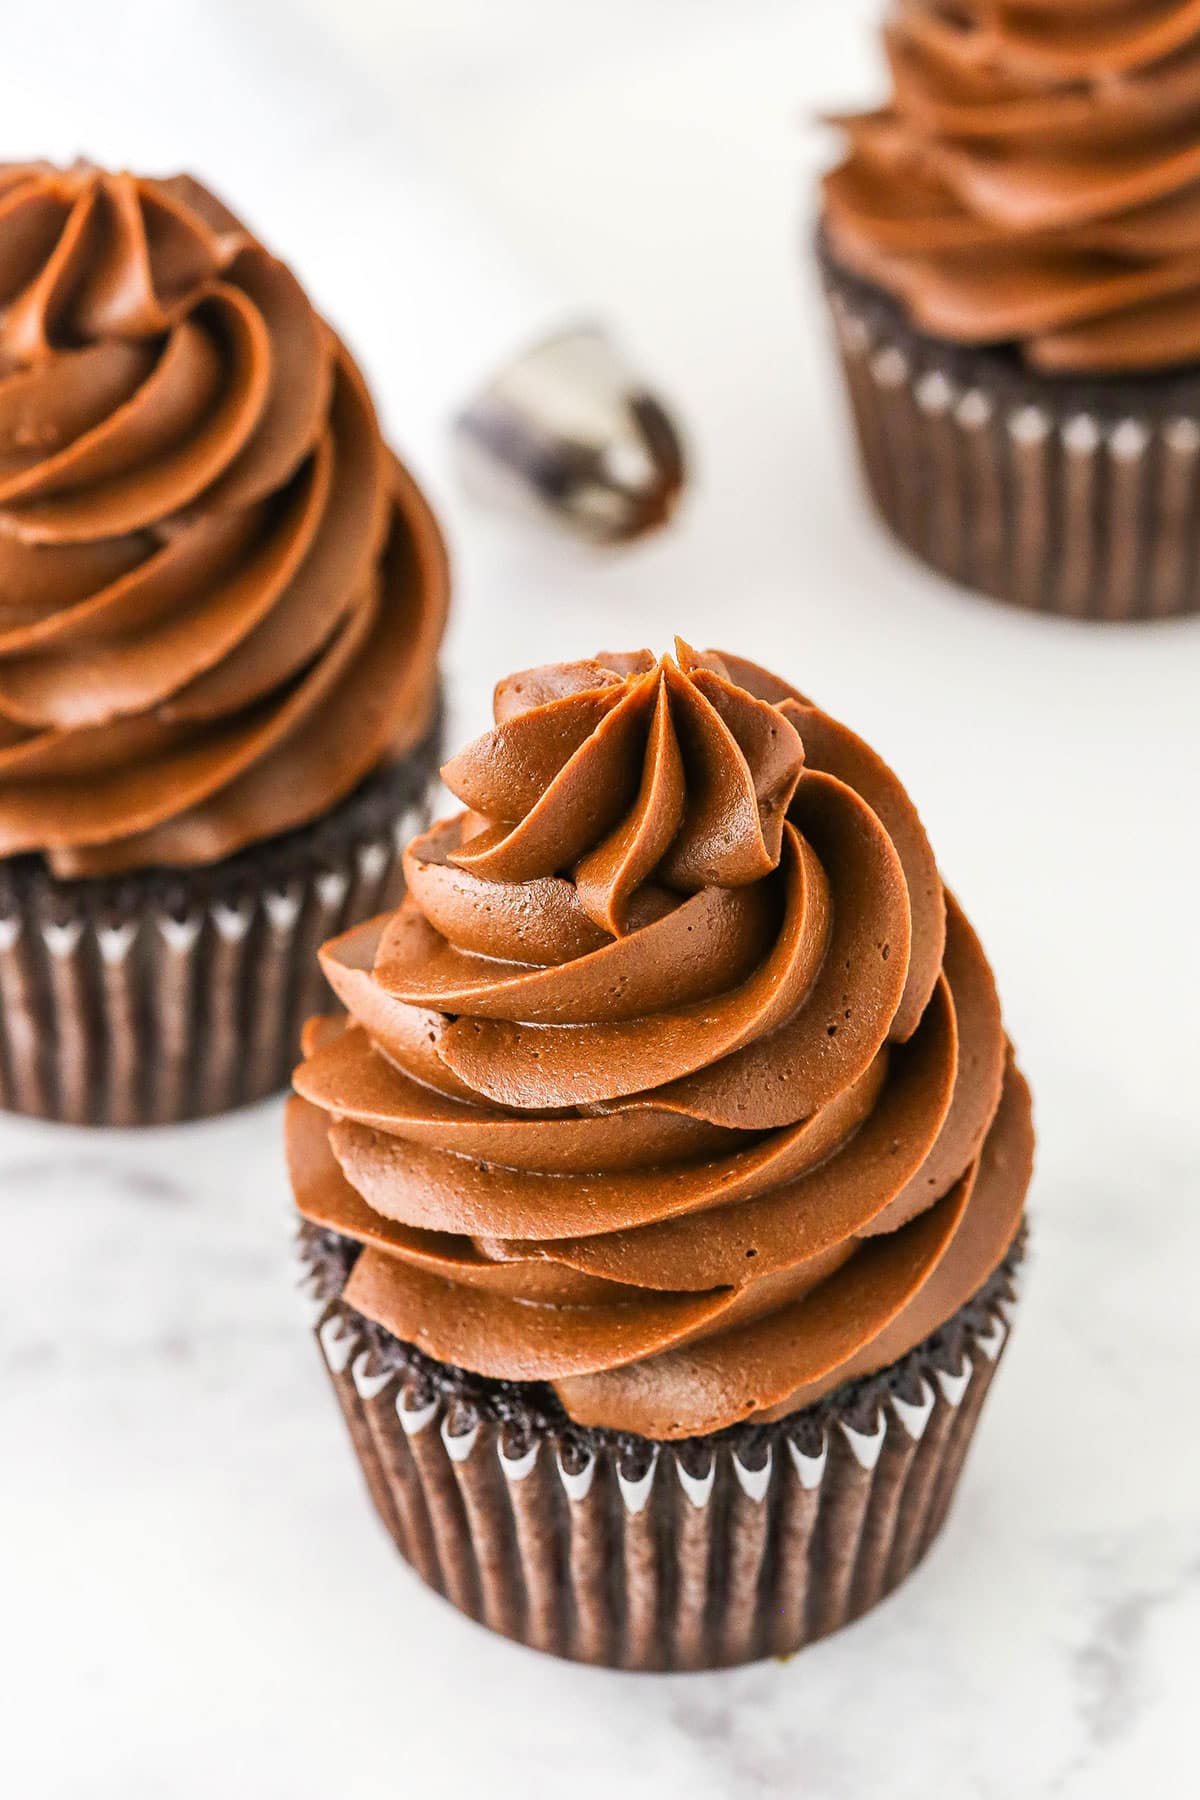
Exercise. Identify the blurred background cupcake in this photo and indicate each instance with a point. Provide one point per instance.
(221, 601)
(662, 1193)
(1012, 248)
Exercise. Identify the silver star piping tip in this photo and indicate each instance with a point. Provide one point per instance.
(570, 433)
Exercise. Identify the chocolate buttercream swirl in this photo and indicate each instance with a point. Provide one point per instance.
(677, 1081)
(221, 597)
(1035, 178)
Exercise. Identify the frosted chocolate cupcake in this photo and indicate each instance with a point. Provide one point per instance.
(1012, 246)
(663, 1188)
(221, 600)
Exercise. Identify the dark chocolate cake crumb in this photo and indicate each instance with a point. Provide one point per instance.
(1158, 395)
(529, 1410)
(28, 889)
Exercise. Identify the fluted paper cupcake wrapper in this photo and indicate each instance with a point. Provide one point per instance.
(664, 1568)
(170, 1012)
(1055, 497)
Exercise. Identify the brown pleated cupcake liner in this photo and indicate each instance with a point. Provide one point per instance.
(1068, 497)
(164, 998)
(661, 1556)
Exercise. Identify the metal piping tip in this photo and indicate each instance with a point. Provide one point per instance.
(570, 433)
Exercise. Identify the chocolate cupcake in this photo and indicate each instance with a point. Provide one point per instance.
(221, 601)
(1012, 249)
(663, 1190)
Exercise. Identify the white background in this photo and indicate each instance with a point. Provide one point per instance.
(196, 1599)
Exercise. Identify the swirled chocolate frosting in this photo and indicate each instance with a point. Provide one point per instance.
(678, 1081)
(221, 597)
(1035, 178)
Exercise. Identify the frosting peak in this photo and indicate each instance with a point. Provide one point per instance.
(1035, 179)
(627, 770)
(676, 1081)
(220, 597)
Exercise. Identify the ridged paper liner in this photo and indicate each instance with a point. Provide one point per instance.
(1039, 493)
(161, 1013)
(683, 1563)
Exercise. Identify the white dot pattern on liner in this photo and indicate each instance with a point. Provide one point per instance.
(914, 1415)
(369, 1385)
(1182, 435)
(974, 410)
(635, 1490)
(1029, 425)
(866, 1445)
(180, 934)
(372, 861)
(578, 1482)
(332, 888)
(282, 907)
(754, 1482)
(62, 938)
(810, 1469)
(415, 1418)
(992, 1342)
(337, 1341)
(935, 393)
(1081, 434)
(232, 921)
(459, 1445)
(1129, 440)
(698, 1488)
(116, 941)
(889, 366)
(955, 1386)
(518, 1468)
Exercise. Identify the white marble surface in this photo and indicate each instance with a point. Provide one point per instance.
(196, 1598)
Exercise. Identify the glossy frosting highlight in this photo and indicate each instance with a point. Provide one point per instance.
(1034, 179)
(678, 1081)
(221, 597)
